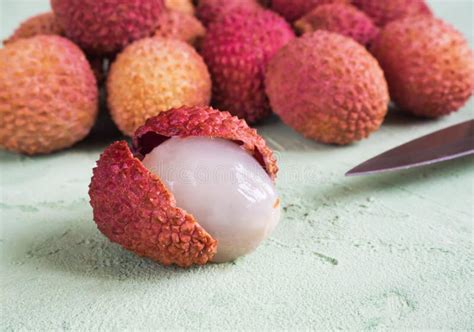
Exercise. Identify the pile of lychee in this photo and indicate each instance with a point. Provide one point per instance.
(327, 68)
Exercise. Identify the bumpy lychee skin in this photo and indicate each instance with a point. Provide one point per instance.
(182, 6)
(340, 18)
(105, 27)
(151, 224)
(209, 11)
(323, 93)
(237, 49)
(153, 75)
(428, 64)
(292, 10)
(42, 24)
(48, 94)
(174, 24)
(384, 12)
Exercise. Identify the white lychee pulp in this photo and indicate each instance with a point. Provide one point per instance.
(226, 190)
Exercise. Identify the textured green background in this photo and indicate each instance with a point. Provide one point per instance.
(386, 251)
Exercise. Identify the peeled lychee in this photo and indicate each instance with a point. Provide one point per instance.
(340, 18)
(182, 6)
(237, 49)
(42, 24)
(428, 64)
(174, 24)
(386, 11)
(153, 75)
(48, 95)
(197, 188)
(209, 11)
(292, 10)
(326, 95)
(105, 27)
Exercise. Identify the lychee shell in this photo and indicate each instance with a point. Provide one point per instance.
(42, 24)
(324, 94)
(150, 224)
(292, 10)
(339, 18)
(428, 64)
(105, 27)
(153, 75)
(237, 49)
(209, 11)
(182, 6)
(174, 24)
(48, 94)
(386, 11)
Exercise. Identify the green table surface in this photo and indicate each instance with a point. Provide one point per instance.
(389, 251)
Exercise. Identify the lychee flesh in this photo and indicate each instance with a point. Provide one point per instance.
(324, 94)
(48, 93)
(105, 27)
(428, 64)
(209, 11)
(384, 12)
(42, 24)
(339, 18)
(153, 75)
(182, 6)
(236, 204)
(133, 207)
(174, 24)
(292, 10)
(237, 49)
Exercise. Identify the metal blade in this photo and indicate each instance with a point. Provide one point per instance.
(446, 144)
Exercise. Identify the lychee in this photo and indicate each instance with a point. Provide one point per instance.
(292, 10)
(105, 27)
(48, 94)
(197, 188)
(182, 6)
(237, 49)
(209, 11)
(383, 12)
(174, 24)
(153, 75)
(42, 24)
(340, 18)
(326, 95)
(428, 64)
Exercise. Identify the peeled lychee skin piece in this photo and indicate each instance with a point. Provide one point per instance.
(237, 202)
(153, 75)
(292, 10)
(209, 11)
(324, 94)
(151, 224)
(386, 11)
(428, 64)
(237, 49)
(42, 24)
(174, 24)
(48, 93)
(105, 27)
(339, 18)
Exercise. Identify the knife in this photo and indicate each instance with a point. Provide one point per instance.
(446, 144)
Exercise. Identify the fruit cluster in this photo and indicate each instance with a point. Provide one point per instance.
(327, 68)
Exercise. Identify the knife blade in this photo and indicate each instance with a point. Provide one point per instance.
(445, 144)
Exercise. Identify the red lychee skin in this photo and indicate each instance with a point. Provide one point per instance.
(237, 49)
(340, 18)
(386, 11)
(178, 25)
(209, 11)
(292, 10)
(48, 95)
(105, 27)
(42, 24)
(428, 64)
(133, 208)
(324, 94)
